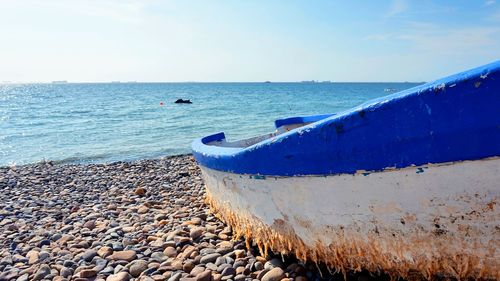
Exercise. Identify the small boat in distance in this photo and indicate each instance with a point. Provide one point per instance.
(183, 101)
(60, 82)
(407, 184)
(389, 90)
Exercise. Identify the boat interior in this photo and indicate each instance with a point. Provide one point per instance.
(282, 126)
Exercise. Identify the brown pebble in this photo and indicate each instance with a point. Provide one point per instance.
(204, 276)
(181, 239)
(239, 254)
(195, 255)
(261, 259)
(158, 277)
(259, 274)
(196, 232)
(240, 270)
(153, 265)
(32, 257)
(65, 238)
(188, 251)
(275, 274)
(196, 220)
(216, 277)
(86, 273)
(128, 255)
(128, 229)
(211, 228)
(223, 236)
(170, 252)
(120, 276)
(225, 244)
(89, 224)
(177, 264)
(142, 210)
(104, 251)
(188, 266)
(137, 267)
(197, 270)
(140, 191)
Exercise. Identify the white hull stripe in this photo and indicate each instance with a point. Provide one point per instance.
(432, 220)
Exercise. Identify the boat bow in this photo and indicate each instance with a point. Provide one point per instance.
(406, 184)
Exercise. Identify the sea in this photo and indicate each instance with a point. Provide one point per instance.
(108, 122)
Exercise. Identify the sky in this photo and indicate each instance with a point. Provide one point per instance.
(244, 41)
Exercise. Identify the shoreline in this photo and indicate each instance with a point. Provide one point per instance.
(62, 162)
(138, 220)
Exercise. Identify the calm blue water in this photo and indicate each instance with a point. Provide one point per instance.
(124, 121)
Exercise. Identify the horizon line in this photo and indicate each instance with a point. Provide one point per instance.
(63, 82)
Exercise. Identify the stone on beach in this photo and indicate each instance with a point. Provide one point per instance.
(170, 252)
(121, 276)
(104, 251)
(142, 210)
(86, 273)
(204, 276)
(140, 191)
(128, 255)
(43, 271)
(89, 224)
(275, 274)
(32, 256)
(196, 232)
(89, 255)
(209, 258)
(137, 267)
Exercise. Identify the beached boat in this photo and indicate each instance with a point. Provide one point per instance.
(408, 184)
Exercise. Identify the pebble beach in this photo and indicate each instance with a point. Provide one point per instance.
(142, 220)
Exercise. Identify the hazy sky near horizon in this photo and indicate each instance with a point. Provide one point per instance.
(276, 40)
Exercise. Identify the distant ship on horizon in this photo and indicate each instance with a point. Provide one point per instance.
(60, 82)
(314, 81)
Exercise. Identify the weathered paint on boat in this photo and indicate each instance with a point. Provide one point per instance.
(408, 184)
(428, 220)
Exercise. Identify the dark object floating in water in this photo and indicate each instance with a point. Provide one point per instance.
(183, 101)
